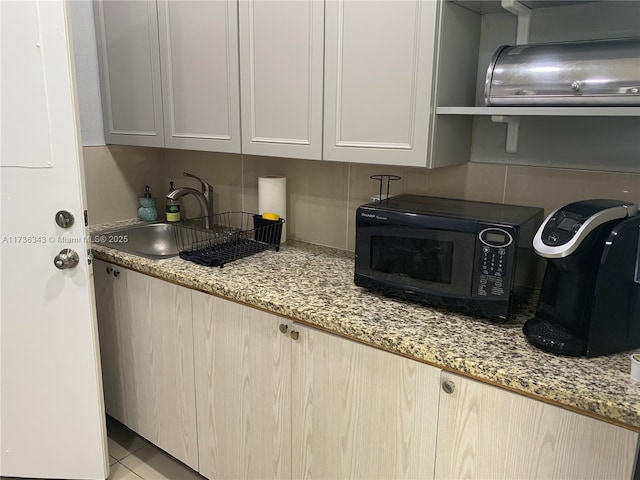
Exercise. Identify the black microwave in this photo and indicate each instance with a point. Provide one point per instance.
(472, 257)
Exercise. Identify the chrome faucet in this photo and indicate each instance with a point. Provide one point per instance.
(202, 200)
(207, 189)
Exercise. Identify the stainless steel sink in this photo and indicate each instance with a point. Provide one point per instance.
(150, 240)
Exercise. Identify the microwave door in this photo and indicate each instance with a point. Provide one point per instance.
(421, 259)
(415, 260)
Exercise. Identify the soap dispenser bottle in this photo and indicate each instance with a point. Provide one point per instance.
(173, 207)
(147, 210)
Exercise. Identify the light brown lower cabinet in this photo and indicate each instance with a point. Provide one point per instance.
(279, 400)
(243, 385)
(360, 412)
(276, 399)
(146, 348)
(488, 432)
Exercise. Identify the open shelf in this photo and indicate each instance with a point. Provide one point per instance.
(543, 111)
(590, 135)
(493, 6)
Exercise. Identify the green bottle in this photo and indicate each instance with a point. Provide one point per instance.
(173, 207)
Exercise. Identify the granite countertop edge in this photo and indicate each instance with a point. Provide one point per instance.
(294, 283)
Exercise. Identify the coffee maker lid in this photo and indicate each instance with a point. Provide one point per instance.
(564, 230)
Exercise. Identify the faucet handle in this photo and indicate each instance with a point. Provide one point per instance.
(206, 186)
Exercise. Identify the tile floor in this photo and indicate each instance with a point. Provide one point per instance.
(133, 458)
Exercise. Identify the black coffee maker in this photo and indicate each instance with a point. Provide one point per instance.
(590, 298)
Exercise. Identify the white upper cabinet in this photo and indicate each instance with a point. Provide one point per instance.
(379, 61)
(169, 73)
(281, 68)
(345, 80)
(127, 37)
(199, 65)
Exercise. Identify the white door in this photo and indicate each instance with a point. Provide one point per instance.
(52, 421)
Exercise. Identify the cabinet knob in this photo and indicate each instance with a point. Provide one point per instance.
(283, 328)
(109, 270)
(116, 273)
(448, 386)
(295, 335)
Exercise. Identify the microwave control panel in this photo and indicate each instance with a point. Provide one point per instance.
(493, 262)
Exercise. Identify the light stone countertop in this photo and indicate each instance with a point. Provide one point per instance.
(314, 285)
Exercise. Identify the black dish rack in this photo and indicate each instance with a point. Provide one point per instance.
(233, 235)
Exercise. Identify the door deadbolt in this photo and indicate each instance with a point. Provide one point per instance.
(67, 258)
(64, 219)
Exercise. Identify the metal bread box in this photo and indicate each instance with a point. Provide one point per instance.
(598, 72)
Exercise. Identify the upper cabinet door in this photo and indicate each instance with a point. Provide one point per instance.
(199, 52)
(379, 60)
(129, 59)
(281, 71)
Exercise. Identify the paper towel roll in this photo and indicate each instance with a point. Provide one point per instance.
(272, 198)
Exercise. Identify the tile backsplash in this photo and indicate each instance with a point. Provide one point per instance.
(115, 177)
(322, 196)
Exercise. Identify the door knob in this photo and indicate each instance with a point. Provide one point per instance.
(67, 258)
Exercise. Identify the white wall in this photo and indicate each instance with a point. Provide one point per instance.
(87, 78)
